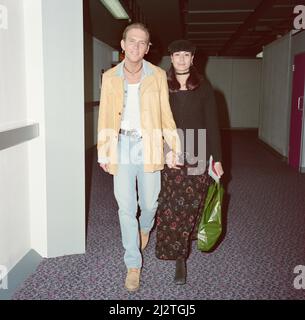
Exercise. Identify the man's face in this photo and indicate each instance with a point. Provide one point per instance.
(135, 45)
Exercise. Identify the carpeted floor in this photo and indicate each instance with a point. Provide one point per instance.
(262, 243)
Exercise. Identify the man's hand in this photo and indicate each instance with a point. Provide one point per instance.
(104, 166)
(172, 160)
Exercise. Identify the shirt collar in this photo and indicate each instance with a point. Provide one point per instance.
(147, 70)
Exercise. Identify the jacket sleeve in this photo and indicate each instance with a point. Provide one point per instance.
(169, 128)
(213, 130)
(102, 139)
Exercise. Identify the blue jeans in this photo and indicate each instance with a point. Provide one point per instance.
(130, 172)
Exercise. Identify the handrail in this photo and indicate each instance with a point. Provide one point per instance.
(91, 104)
(15, 136)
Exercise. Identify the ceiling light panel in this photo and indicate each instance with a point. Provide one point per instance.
(115, 8)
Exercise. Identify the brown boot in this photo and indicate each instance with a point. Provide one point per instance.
(144, 240)
(132, 282)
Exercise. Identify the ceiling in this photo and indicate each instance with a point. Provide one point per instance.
(217, 27)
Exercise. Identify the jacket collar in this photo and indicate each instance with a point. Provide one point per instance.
(120, 84)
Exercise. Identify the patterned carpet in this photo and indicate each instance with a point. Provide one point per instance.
(262, 243)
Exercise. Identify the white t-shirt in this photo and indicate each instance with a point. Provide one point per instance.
(131, 119)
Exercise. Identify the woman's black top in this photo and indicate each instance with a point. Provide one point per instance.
(197, 109)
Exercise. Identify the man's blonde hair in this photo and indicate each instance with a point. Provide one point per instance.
(137, 25)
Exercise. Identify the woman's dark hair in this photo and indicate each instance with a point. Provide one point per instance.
(192, 82)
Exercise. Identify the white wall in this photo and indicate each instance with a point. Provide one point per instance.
(102, 59)
(275, 95)
(298, 43)
(14, 176)
(62, 23)
(165, 63)
(98, 56)
(42, 189)
(14, 205)
(236, 84)
(246, 84)
(220, 73)
(36, 113)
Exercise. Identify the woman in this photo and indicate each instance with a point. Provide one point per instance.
(184, 189)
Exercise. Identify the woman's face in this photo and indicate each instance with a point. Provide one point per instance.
(182, 60)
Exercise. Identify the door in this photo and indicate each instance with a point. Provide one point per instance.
(297, 104)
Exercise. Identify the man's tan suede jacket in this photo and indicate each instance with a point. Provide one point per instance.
(156, 117)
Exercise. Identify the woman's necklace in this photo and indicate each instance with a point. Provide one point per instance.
(182, 73)
(133, 72)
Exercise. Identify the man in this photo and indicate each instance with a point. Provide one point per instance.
(134, 117)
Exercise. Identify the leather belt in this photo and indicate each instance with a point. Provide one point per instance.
(130, 133)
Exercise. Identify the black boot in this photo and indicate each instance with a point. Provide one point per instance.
(180, 275)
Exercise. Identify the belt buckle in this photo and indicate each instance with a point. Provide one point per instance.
(132, 134)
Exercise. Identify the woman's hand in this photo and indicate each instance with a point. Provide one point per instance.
(218, 169)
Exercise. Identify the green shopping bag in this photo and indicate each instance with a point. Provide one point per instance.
(210, 228)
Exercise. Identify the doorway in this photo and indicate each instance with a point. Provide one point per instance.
(297, 105)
